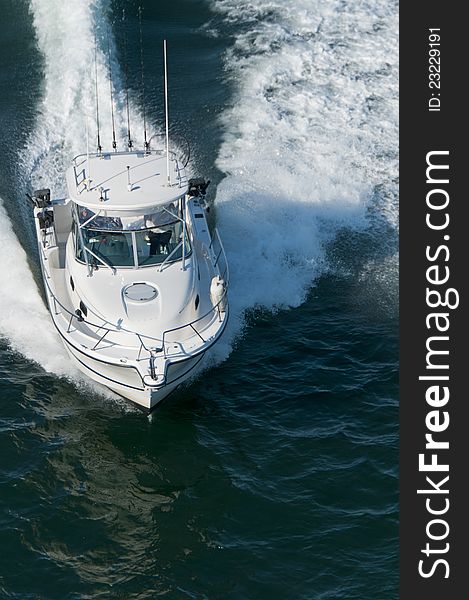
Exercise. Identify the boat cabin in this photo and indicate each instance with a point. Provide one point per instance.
(127, 211)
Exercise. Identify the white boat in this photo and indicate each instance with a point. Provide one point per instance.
(135, 282)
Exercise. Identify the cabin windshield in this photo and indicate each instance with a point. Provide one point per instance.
(130, 241)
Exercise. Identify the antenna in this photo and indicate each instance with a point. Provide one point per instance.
(166, 111)
(114, 143)
(126, 71)
(96, 88)
(87, 181)
(145, 143)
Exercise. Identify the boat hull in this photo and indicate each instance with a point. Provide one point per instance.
(126, 382)
(140, 347)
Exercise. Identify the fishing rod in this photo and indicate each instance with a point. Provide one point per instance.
(114, 143)
(96, 90)
(166, 111)
(126, 73)
(146, 144)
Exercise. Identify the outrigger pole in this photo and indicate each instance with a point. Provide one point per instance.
(166, 111)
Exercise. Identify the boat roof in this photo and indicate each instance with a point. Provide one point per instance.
(101, 181)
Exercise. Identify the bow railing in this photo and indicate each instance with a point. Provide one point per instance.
(145, 342)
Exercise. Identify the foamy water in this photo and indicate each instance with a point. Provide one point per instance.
(297, 431)
(67, 123)
(23, 314)
(309, 137)
(25, 321)
(66, 38)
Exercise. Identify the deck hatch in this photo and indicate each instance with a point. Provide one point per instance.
(140, 292)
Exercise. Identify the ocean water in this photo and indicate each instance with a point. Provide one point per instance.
(274, 475)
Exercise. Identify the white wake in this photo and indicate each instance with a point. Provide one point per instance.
(65, 34)
(310, 136)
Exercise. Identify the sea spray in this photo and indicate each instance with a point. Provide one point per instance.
(310, 135)
(66, 37)
(24, 319)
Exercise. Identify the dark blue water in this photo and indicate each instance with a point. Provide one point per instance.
(274, 475)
